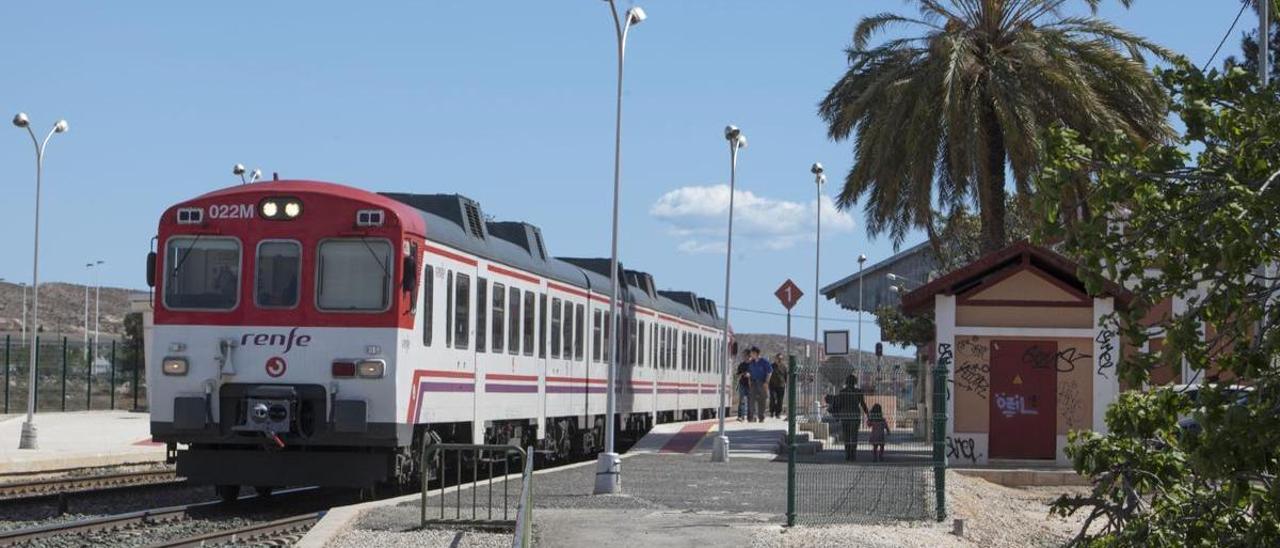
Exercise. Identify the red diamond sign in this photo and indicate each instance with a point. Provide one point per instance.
(789, 293)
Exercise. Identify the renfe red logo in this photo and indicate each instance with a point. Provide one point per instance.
(288, 341)
(276, 366)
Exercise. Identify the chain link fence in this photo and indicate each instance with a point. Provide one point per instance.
(72, 375)
(864, 448)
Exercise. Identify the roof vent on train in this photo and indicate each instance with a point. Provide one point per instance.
(457, 208)
(686, 298)
(642, 280)
(599, 266)
(524, 235)
(709, 306)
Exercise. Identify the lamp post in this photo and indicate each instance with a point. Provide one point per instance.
(720, 452)
(861, 259)
(608, 464)
(24, 312)
(818, 179)
(97, 316)
(88, 268)
(28, 439)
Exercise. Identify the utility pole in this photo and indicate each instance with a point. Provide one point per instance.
(1264, 42)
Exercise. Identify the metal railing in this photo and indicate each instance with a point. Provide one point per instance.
(474, 466)
(72, 376)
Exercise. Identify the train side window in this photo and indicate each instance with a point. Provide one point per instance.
(428, 303)
(462, 323)
(608, 346)
(448, 310)
(482, 316)
(579, 337)
(278, 270)
(595, 336)
(640, 343)
(632, 354)
(513, 320)
(568, 330)
(499, 318)
(556, 326)
(542, 326)
(530, 321)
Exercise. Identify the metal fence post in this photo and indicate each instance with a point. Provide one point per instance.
(35, 394)
(112, 377)
(88, 391)
(791, 441)
(137, 353)
(6, 374)
(939, 439)
(64, 374)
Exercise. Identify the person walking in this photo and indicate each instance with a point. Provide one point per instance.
(879, 431)
(743, 376)
(760, 372)
(848, 406)
(777, 386)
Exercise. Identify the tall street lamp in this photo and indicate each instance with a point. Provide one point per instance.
(97, 301)
(28, 440)
(88, 268)
(818, 179)
(861, 259)
(720, 452)
(608, 464)
(24, 312)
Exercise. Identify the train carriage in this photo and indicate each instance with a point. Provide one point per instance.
(314, 334)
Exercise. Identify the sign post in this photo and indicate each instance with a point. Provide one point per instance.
(789, 293)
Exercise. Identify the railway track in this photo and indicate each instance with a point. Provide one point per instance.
(173, 514)
(46, 487)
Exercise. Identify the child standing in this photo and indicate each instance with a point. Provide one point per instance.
(879, 431)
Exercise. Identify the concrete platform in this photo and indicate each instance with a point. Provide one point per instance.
(1027, 477)
(78, 440)
(672, 495)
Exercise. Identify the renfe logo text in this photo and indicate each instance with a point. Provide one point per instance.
(276, 339)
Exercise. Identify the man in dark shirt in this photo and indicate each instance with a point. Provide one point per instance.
(743, 375)
(848, 406)
(760, 371)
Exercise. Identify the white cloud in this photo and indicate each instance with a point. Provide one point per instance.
(698, 215)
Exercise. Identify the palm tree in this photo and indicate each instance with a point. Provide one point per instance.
(943, 113)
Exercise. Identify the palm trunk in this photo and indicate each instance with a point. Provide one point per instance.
(991, 194)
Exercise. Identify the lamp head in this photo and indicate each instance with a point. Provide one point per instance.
(20, 120)
(816, 168)
(891, 276)
(635, 16)
(61, 127)
(238, 169)
(862, 259)
(895, 289)
(732, 133)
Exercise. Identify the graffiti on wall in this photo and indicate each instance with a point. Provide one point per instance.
(1070, 402)
(961, 448)
(945, 358)
(1106, 347)
(1016, 404)
(974, 377)
(1064, 361)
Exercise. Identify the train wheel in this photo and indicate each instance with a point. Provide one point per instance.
(228, 493)
(263, 491)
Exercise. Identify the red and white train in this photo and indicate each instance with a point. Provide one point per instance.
(312, 334)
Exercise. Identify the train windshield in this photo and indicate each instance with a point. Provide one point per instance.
(279, 264)
(354, 275)
(202, 273)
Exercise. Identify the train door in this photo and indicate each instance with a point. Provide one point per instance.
(459, 347)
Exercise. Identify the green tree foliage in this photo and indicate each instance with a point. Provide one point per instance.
(1195, 218)
(131, 350)
(959, 100)
(1249, 44)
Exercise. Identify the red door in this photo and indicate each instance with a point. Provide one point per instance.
(1024, 402)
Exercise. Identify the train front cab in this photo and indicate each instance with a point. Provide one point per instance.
(278, 312)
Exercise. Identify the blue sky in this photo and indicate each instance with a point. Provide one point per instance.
(508, 103)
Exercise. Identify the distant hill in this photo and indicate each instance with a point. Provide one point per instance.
(803, 348)
(62, 308)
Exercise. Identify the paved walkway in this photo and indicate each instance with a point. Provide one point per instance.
(78, 439)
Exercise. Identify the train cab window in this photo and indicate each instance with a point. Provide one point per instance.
(202, 273)
(513, 319)
(278, 268)
(462, 308)
(354, 275)
(556, 326)
(428, 303)
(499, 317)
(595, 336)
(482, 297)
(530, 321)
(580, 321)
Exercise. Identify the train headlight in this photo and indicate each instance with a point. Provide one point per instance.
(174, 366)
(280, 209)
(371, 369)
